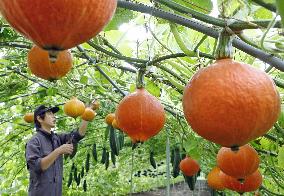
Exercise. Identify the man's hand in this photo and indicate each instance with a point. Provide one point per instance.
(65, 149)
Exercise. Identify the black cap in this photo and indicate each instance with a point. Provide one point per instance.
(43, 109)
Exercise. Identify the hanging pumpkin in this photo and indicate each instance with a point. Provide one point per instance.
(250, 183)
(238, 163)
(109, 118)
(29, 117)
(58, 24)
(230, 103)
(140, 115)
(114, 124)
(74, 107)
(189, 166)
(88, 114)
(214, 181)
(39, 64)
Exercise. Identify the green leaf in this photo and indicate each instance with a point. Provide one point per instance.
(281, 157)
(51, 91)
(263, 13)
(204, 6)
(153, 88)
(84, 80)
(121, 16)
(132, 88)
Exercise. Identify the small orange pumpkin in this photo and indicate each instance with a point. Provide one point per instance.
(88, 114)
(29, 117)
(74, 107)
(114, 124)
(250, 183)
(189, 166)
(58, 24)
(140, 115)
(214, 181)
(95, 105)
(231, 103)
(109, 118)
(39, 64)
(238, 163)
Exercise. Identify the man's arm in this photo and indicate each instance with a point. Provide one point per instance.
(47, 161)
(83, 128)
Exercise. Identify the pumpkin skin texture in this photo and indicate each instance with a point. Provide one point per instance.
(29, 117)
(88, 114)
(214, 181)
(58, 24)
(39, 64)
(189, 166)
(231, 103)
(140, 115)
(74, 107)
(240, 163)
(109, 118)
(250, 183)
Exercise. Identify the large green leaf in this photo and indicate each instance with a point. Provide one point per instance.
(281, 157)
(121, 16)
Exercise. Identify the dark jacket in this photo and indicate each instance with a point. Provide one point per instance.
(48, 182)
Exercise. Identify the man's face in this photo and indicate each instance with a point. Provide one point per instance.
(49, 120)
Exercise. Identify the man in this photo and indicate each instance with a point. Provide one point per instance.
(44, 153)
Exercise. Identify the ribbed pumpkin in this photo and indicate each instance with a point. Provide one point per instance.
(250, 183)
(88, 114)
(214, 181)
(29, 117)
(231, 103)
(140, 115)
(39, 64)
(58, 24)
(109, 118)
(189, 166)
(238, 163)
(74, 107)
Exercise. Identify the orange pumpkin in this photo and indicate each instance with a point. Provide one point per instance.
(88, 114)
(250, 183)
(58, 24)
(95, 105)
(140, 115)
(231, 103)
(214, 181)
(109, 118)
(29, 117)
(114, 124)
(189, 166)
(39, 64)
(238, 163)
(74, 107)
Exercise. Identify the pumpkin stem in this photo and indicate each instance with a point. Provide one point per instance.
(140, 78)
(225, 46)
(235, 148)
(53, 55)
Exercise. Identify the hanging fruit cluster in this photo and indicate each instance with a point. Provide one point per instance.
(231, 103)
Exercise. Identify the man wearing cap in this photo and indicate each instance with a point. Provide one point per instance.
(44, 153)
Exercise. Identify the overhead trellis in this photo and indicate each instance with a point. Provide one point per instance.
(105, 68)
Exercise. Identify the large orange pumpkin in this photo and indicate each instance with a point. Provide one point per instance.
(231, 103)
(140, 115)
(88, 114)
(238, 163)
(214, 181)
(250, 183)
(39, 64)
(189, 166)
(74, 107)
(29, 117)
(58, 24)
